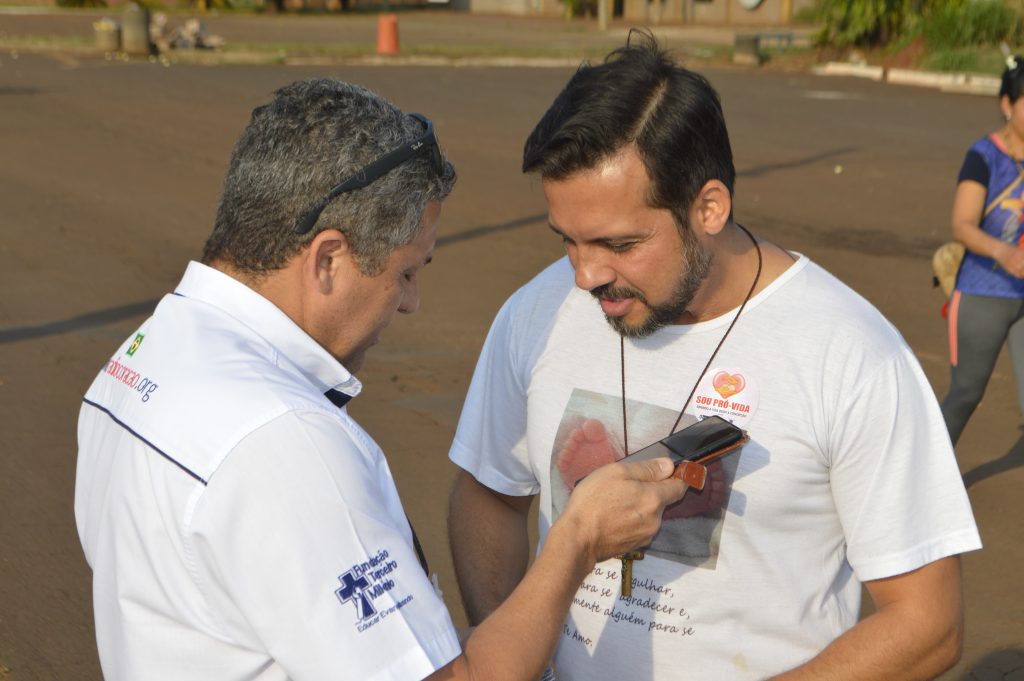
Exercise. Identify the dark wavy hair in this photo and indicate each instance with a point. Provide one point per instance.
(640, 96)
(1013, 78)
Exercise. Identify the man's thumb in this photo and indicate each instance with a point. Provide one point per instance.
(649, 470)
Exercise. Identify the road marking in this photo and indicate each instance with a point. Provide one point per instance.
(830, 95)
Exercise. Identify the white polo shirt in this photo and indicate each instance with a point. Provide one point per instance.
(239, 525)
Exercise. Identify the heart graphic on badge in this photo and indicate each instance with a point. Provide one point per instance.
(727, 385)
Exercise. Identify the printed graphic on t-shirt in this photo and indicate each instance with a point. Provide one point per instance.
(1011, 223)
(590, 435)
(1005, 212)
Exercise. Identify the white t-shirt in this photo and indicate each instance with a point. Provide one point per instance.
(849, 475)
(238, 524)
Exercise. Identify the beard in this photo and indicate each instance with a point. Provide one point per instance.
(696, 265)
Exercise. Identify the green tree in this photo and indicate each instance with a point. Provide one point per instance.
(869, 22)
(970, 23)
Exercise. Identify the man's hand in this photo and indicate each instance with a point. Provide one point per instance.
(618, 507)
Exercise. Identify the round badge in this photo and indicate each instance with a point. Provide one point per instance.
(729, 393)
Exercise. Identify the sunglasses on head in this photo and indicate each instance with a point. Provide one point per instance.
(424, 144)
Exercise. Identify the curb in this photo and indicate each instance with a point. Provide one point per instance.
(838, 68)
(975, 83)
(967, 83)
(249, 58)
(371, 60)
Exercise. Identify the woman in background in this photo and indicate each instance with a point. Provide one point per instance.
(988, 302)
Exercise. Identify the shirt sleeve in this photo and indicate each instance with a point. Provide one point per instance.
(303, 549)
(974, 168)
(490, 441)
(894, 478)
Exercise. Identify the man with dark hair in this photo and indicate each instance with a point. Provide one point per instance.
(666, 311)
(239, 524)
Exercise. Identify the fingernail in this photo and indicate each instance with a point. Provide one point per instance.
(665, 466)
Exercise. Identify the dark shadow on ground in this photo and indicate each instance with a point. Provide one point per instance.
(84, 321)
(772, 167)
(1012, 459)
(999, 664)
(16, 90)
(875, 242)
(116, 314)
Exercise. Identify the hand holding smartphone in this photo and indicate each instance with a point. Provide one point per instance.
(700, 443)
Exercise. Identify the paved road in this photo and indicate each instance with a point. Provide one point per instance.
(109, 177)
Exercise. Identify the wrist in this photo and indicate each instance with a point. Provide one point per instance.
(570, 536)
(1002, 252)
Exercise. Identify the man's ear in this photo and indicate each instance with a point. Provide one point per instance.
(328, 256)
(712, 208)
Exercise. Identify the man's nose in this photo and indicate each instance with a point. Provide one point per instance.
(410, 301)
(592, 269)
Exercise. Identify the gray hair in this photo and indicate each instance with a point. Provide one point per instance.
(313, 135)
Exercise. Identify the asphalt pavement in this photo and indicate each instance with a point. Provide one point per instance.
(109, 176)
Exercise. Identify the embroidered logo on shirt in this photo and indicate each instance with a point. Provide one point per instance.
(352, 589)
(364, 583)
(135, 344)
(130, 378)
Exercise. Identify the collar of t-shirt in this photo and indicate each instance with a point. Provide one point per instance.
(266, 320)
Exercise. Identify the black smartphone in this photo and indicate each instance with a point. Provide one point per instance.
(701, 442)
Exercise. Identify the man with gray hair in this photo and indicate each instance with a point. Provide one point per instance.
(239, 524)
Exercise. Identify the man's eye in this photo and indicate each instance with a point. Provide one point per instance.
(621, 247)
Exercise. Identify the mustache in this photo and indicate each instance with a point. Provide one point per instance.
(609, 292)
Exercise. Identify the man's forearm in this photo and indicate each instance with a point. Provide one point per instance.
(520, 635)
(490, 544)
(879, 648)
(617, 509)
(915, 635)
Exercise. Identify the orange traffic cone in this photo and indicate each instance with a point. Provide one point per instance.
(387, 34)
